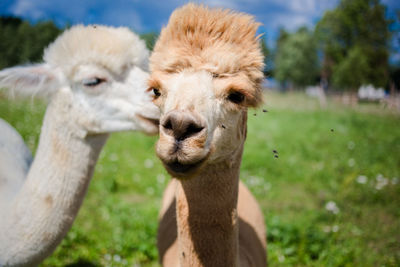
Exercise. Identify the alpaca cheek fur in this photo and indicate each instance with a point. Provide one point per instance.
(164, 147)
(226, 138)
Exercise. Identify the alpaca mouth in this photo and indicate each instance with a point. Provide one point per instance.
(181, 170)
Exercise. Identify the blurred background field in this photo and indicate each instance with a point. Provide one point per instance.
(330, 198)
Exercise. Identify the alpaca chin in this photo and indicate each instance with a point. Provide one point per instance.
(182, 159)
(184, 171)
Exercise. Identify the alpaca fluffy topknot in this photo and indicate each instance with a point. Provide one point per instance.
(112, 48)
(217, 40)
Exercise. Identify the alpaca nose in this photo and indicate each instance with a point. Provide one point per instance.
(181, 125)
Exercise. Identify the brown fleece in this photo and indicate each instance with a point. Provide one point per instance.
(211, 219)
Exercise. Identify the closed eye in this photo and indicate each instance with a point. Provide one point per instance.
(92, 82)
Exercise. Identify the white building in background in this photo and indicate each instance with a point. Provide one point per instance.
(370, 93)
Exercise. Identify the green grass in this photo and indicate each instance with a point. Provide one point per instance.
(322, 154)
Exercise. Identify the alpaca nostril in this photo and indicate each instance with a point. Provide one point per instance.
(168, 125)
(181, 125)
(194, 128)
(191, 130)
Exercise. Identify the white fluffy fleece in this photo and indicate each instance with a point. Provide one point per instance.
(114, 49)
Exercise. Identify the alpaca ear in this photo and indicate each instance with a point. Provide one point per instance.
(32, 80)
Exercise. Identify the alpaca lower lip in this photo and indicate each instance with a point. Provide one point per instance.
(182, 168)
(150, 121)
(156, 122)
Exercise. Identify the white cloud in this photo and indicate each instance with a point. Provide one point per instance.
(222, 3)
(301, 6)
(27, 8)
(120, 16)
(273, 13)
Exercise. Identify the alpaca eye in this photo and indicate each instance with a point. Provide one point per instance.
(236, 97)
(91, 82)
(156, 92)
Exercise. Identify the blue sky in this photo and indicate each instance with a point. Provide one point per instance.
(151, 15)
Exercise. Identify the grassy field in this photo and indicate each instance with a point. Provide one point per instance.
(331, 198)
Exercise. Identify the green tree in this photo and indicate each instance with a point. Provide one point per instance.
(283, 35)
(267, 56)
(9, 43)
(296, 59)
(352, 71)
(22, 42)
(150, 39)
(354, 38)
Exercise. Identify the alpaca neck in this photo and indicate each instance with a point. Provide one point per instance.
(207, 215)
(45, 207)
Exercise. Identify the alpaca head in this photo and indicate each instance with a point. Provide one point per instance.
(96, 76)
(206, 71)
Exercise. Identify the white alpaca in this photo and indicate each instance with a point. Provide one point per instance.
(206, 71)
(95, 80)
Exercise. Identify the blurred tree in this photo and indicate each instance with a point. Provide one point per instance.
(395, 78)
(45, 33)
(150, 39)
(354, 39)
(395, 68)
(9, 44)
(296, 59)
(283, 35)
(22, 42)
(267, 56)
(352, 70)
(398, 23)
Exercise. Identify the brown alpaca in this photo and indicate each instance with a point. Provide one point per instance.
(206, 71)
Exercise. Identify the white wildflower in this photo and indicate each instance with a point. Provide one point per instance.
(160, 178)
(356, 231)
(381, 182)
(150, 190)
(117, 258)
(136, 177)
(332, 207)
(335, 228)
(148, 163)
(267, 186)
(105, 215)
(31, 141)
(326, 229)
(99, 168)
(113, 157)
(281, 258)
(351, 145)
(395, 180)
(362, 179)
(351, 162)
(254, 181)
